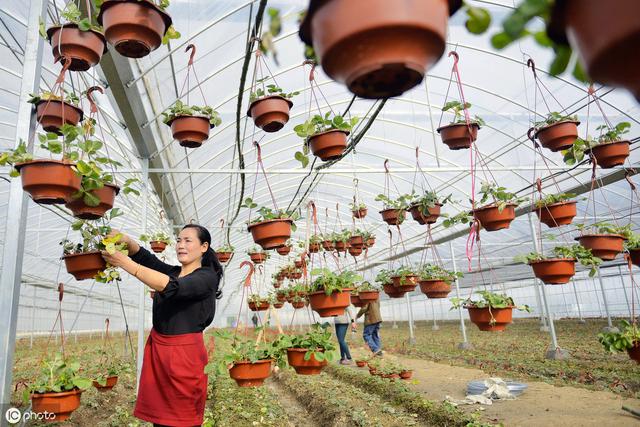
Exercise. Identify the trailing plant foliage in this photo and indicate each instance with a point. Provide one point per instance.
(318, 341)
(71, 14)
(225, 248)
(607, 135)
(403, 272)
(267, 214)
(270, 90)
(435, 272)
(319, 124)
(464, 217)
(628, 337)
(69, 97)
(366, 286)
(500, 196)
(576, 251)
(402, 203)
(603, 227)
(490, 300)
(330, 282)
(158, 236)
(274, 29)
(551, 199)
(384, 276)
(179, 109)
(57, 375)
(632, 242)
(457, 108)
(15, 156)
(357, 206)
(427, 201)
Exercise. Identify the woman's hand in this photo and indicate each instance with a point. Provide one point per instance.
(132, 245)
(116, 259)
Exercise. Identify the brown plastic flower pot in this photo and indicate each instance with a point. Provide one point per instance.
(277, 285)
(283, 250)
(261, 306)
(635, 256)
(295, 357)
(370, 242)
(61, 404)
(422, 219)
(48, 181)
(392, 291)
(328, 145)
(278, 305)
(85, 48)
(297, 304)
(458, 136)
(492, 219)
(258, 257)
(224, 256)
(341, 246)
(393, 216)
(281, 297)
(157, 247)
(604, 246)
(356, 242)
(557, 214)
(330, 305)
(270, 113)
(492, 320)
(368, 296)
(111, 382)
(611, 154)
(107, 196)
(376, 50)
(355, 251)
(406, 375)
(297, 263)
(634, 352)
(248, 374)
(85, 265)
(556, 271)
(558, 136)
(407, 284)
(296, 275)
(272, 233)
(355, 301)
(134, 27)
(361, 363)
(314, 248)
(360, 213)
(190, 131)
(327, 245)
(53, 114)
(434, 288)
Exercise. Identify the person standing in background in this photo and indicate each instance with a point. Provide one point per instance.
(372, 321)
(342, 324)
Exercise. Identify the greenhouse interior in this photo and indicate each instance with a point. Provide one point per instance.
(319, 213)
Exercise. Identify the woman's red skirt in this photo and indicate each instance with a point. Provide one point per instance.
(173, 385)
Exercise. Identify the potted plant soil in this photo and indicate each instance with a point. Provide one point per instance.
(557, 132)
(52, 111)
(358, 210)
(190, 125)
(492, 313)
(605, 240)
(310, 352)
(224, 253)
(270, 229)
(326, 136)
(394, 210)
(368, 292)
(269, 107)
(425, 209)
(459, 135)
(627, 339)
(330, 292)
(135, 28)
(498, 214)
(158, 241)
(555, 210)
(404, 278)
(560, 268)
(435, 281)
(338, 29)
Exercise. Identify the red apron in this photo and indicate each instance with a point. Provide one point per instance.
(173, 385)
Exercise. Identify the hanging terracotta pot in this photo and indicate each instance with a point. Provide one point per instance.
(224, 256)
(270, 113)
(353, 251)
(48, 181)
(557, 214)
(157, 246)
(85, 48)
(341, 246)
(297, 304)
(295, 357)
(61, 404)
(376, 50)
(370, 242)
(258, 257)
(406, 284)
(356, 242)
(558, 136)
(85, 265)
(271, 233)
(368, 296)
(330, 305)
(250, 374)
(458, 136)
(111, 382)
(393, 216)
(190, 131)
(492, 219)
(277, 285)
(281, 297)
(392, 291)
(107, 196)
(611, 154)
(360, 213)
(495, 319)
(355, 301)
(604, 54)
(635, 256)
(435, 288)
(296, 275)
(604, 246)
(555, 271)
(329, 145)
(258, 306)
(327, 245)
(283, 250)
(278, 305)
(406, 375)
(53, 114)
(422, 219)
(314, 248)
(134, 27)
(634, 352)
(297, 263)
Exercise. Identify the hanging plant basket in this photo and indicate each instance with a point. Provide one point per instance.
(297, 263)
(85, 48)
(356, 302)
(422, 219)
(330, 305)
(272, 233)
(611, 154)
(392, 291)
(250, 374)
(341, 246)
(492, 320)
(356, 242)
(111, 382)
(407, 284)
(355, 251)
(283, 250)
(134, 27)
(224, 256)
(604, 246)
(107, 196)
(393, 216)
(259, 306)
(281, 297)
(62, 404)
(48, 181)
(297, 304)
(270, 113)
(327, 245)
(435, 288)
(376, 50)
(492, 219)
(360, 213)
(158, 247)
(190, 131)
(85, 265)
(278, 305)
(458, 136)
(368, 296)
(329, 145)
(314, 248)
(634, 352)
(557, 214)
(555, 271)
(295, 357)
(296, 275)
(53, 114)
(635, 256)
(277, 285)
(558, 136)
(370, 242)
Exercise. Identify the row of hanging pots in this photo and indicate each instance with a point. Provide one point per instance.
(333, 304)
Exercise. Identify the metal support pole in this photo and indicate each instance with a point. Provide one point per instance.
(412, 338)
(609, 327)
(465, 344)
(393, 314)
(141, 289)
(15, 224)
(543, 315)
(435, 326)
(555, 352)
(575, 292)
(624, 290)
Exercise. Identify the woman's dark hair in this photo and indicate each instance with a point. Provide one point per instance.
(209, 259)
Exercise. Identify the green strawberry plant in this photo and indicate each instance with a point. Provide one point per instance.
(551, 199)
(627, 338)
(158, 236)
(607, 135)
(319, 124)
(270, 90)
(603, 227)
(435, 272)
(179, 109)
(500, 196)
(489, 300)
(457, 108)
(575, 251)
(69, 97)
(330, 282)
(57, 375)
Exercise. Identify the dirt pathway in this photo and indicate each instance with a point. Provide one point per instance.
(298, 414)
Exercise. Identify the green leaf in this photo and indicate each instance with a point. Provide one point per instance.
(302, 158)
(501, 40)
(561, 60)
(91, 200)
(479, 20)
